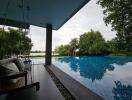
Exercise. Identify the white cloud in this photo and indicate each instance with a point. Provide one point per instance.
(38, 37)
(89, 17)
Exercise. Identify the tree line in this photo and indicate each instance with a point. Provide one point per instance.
(118, 13)
(91, 43)
(14, 41)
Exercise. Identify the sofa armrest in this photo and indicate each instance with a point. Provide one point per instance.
(15, 75)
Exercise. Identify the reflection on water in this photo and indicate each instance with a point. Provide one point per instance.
(122, 92)
(103, 75)
(90, 67)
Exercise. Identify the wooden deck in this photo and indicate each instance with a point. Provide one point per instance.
(48, 90)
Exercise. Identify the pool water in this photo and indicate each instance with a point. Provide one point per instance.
(109, 77)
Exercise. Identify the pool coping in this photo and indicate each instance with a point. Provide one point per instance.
(79, 91)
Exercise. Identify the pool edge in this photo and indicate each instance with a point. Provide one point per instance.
(79, 91)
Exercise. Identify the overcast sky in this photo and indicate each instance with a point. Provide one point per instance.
(89, 17)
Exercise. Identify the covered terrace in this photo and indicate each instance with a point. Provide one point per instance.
(49, 14)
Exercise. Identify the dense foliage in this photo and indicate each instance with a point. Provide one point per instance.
(74, 44)
(111, 46)
(63, 50)
(68, 50)
(118, 13)
(90, 43)
(14, 42)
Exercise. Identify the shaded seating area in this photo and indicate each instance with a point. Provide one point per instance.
(42, 82)
(15, 76)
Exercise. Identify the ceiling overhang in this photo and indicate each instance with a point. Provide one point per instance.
(14, 23)
(22, 13)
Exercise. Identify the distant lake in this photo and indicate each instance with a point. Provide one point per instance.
(40, 54)
(35, 54)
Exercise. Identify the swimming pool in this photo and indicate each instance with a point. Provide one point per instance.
(109, 77)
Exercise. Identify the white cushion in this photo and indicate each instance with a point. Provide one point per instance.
(11, 68)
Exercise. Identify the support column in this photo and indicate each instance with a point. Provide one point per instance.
(48, 55)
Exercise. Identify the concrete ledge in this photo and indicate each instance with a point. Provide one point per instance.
(79, 91)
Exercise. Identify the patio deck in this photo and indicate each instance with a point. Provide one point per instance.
(48, 90)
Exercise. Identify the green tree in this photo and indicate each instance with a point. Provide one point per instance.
(14, 42)
(3, 43)
(63, 50)
(68, 50)
(118, 13)
(73, 45)
(92, 43)
(111, 46)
